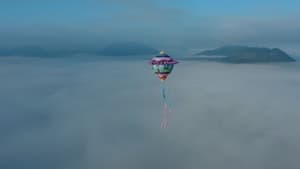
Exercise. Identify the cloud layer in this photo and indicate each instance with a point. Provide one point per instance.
(105, 114)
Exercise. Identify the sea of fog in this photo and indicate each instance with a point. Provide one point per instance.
(101, 114)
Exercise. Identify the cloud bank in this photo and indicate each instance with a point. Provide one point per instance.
(105, 114)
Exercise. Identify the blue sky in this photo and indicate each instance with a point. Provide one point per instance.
(238, 7)
(172, 23)
(52, 10)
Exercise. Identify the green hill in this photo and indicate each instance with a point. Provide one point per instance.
(244, 54)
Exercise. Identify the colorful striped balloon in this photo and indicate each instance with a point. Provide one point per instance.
(162, 65)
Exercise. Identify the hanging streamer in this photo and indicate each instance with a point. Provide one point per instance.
(166, 109)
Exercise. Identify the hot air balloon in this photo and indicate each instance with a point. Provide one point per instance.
(162, 65)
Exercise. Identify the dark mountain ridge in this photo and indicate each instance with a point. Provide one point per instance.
(245, 54)
(114, 49)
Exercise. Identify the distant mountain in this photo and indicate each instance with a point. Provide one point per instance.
(23, 51)
(127, 49)
(244, 54)
(115, 49)
(35, 51)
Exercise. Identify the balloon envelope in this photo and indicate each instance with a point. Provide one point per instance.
(162, 65)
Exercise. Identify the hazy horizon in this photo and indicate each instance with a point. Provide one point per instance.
(174, 25)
